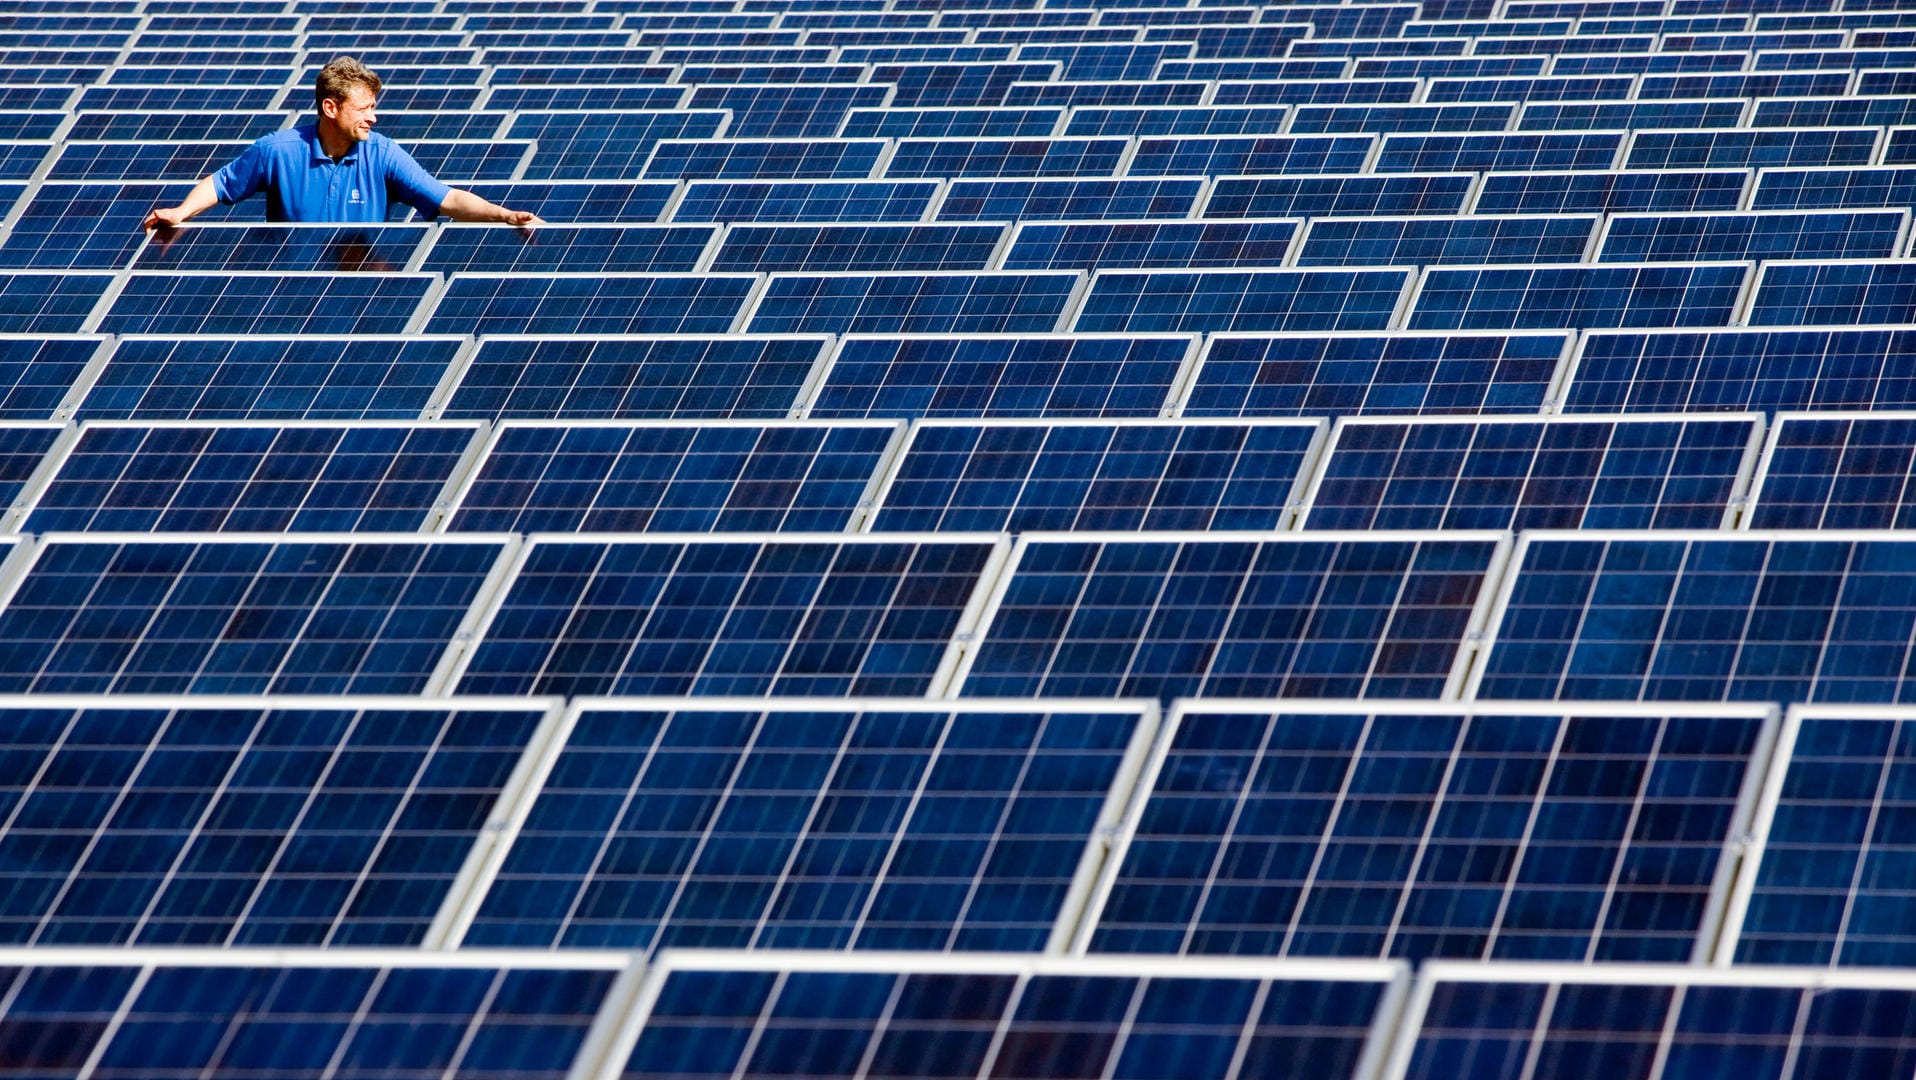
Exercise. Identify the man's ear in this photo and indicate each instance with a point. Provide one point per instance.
(329, 108)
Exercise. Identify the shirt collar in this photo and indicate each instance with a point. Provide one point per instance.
(311, 133)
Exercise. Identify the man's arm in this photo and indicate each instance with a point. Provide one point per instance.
(203, 197)
(461, 205)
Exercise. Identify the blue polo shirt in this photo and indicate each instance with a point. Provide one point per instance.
(303, 184)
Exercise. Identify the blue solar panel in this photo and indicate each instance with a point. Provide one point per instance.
(170, 127)
(1524, 88)
(821, 829)
(67, 226)
(610, 249)
(410, 127)
(1080, 375)
(1087, 199)
(1840, 472)
(255, 378)
(1750, 85)
(245, 616)
(641, 97)
(1313, 91)
(347, 249)
(1313, 196)
(604, 145)
(1632, 115)
(1831, 112)
(925, 303)
(1736, 370)
(49, 302)
(1155, 92)
(24, 446)
(764, 159)
(1108, 61)
(1834, 294)
(1378, 241)
(1177, 120)
(1511, 152)
(1088, 245)
(545, 477)
(614, 378)
(245, 825)
(1645, 63)
(787, 112)
(818, 616)
(1260, 616)
(257, 478)
(1006, 157)
(1577, 297)
(1611, 191)
(1828, 189)
(1243, 155)
(1055, 475)
(928, 85)
(1493, 1023)
(821, 248)
(103, 161)
(1446, 67)
(1125, 301)
(1794, 617)
(804, 200)
(590, 304)
(999, 123)
(1433, 831)
(1029, 1019)
(1752, 148)
(1315, 374)
(1393, 117)
(1777, 235)
(1533, 474)
(1217, 70)
(281, 302)
(599, 200)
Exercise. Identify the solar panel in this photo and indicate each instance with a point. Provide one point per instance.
(951, 123)
(1255, 69)
(1415, 241)
(847, 247)
(1558, 87)
(257, 477)
(242, 613)
(1088, 199)
(1144, 301)
(1314, 91)
(1610, 191)
(1028, 1017)
(928, 85)
(1828, 189)
(604, 145)
(607, 249)
(764, 159)
(103, 161)
(819, 614)
(1632, 115)
(264, 302)
(787, 112)
(382, 1014)
(1831, 112)
(1006, 157)
(273, 822)
(1177, 120)
(1576, 297)
(1224, 615)
(587, 303)
(1400, 374)
(1511, 473)
(594, 201)
(246, 247)
(586, 97)
(411, 127)
(1107, 92)
(1312, 196)
(49, 302)
(1741, 369)
(1662, 1025)
(1833, 294)
(544, 476)
(262, 378)
(1087, 245)
(923, 303)
(1395, 117)
(1433, 830)
(1750, 85)
(1838, 471)
(1774, 235)
(823, 826)
(1245, 155)
(1687, 616)
(682, 377)
(1021, 476)
(804, 200)
(1087, 375)
(1507, 152)
(1752, 148)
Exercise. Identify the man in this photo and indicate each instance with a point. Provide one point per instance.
(335, 169)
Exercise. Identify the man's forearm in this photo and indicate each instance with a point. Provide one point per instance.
(203, 197)
(461, 205)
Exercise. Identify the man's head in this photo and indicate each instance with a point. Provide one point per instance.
(346, 92)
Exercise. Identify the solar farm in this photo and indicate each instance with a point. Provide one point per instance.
(1033, 539)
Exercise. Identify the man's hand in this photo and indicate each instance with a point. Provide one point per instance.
(523, 219)
(164, 217)
(201, 198)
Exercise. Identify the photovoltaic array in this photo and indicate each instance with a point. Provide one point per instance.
(991, 538)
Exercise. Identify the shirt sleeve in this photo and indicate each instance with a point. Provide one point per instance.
(411, 183)
(243, 176)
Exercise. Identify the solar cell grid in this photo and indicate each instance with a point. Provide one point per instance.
(1137, 301)
(1230, 615)
(604, 145)
(1379, 241)
(217, 246)
(1245, 155)
(1611, 191)
(1090, 375)
(684, 377)
(1577, 297)
(1765, 236)
(1500, 152)
(1089, 245)
(1400, 374)
(1826, 188)
(582, 201)
(951, 123)
(931, 302)
(800, 615)
(265, 302)
(1834, 294)
(263, 378)
(1379, 119)
(804, 200)
(845, 247)
(107, 613)
(1397, 830)
(270, 823)
(972, 828)
(1635, 473)
(121, 477)
(1089, 199)
(954, 158)
(1314, 91)
(633, 477)
(764, 159)
(1177, 120)
(787, 112)
(1059, 475)
(1314, 196)
(609, 249)
(585, 303)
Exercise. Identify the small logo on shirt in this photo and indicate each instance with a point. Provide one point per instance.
(354, 197)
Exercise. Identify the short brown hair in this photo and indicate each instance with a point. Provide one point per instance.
(337, 79)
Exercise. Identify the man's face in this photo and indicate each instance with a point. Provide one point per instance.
(354, 113)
